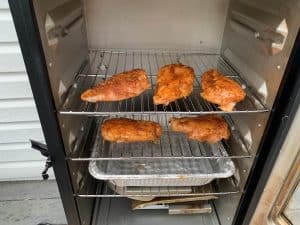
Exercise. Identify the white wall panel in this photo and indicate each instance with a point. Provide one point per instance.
(8, 33)
(4, 4)
(11, 59)
(18, 110)
(14, 85)
(20, 131)
(27, 170)
(18, 152)
(19, 120)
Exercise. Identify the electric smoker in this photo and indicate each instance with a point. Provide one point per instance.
(69, 46)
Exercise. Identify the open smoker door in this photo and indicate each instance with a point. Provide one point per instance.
(276, 172)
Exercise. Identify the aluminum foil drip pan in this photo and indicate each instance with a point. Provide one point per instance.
(162, 172)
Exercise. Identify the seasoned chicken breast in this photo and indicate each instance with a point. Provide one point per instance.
(203, 128)
(128, 130)
(119, 87)
(174, 81)
(221, 90)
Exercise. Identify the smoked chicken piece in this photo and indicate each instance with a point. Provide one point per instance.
(119, 87)
(174, 81)
(128, 130)
(221, 90)
(204, 128)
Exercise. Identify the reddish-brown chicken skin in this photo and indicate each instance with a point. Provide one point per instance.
(203, 128)
(119, 87)
(174, 81)
(221, 90)
(128, 130)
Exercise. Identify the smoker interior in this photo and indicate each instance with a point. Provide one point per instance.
(121, 212)
(87, 41)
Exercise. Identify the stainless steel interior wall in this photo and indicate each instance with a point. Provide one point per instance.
(250, 54)
(65, 57)
(156, 24)
(259, 63)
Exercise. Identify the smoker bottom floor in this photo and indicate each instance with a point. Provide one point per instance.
(114, 211)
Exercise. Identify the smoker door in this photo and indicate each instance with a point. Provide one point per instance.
(276, 172)
(273, 206)
(35, 62)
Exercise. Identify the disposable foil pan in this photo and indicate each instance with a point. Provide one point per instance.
(148, 193)
(162, 172)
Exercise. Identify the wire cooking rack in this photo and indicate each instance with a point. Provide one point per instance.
(172, 145)
(105, 189)
(103, 64)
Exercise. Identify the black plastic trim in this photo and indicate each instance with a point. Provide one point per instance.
(33, 54)
(281, 117)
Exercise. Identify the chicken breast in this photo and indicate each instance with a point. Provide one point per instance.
(205, 128)
(221, 90)
(119, 87)
(174, 81)
(128, 130)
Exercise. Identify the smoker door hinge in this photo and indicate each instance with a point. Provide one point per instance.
(43, 149)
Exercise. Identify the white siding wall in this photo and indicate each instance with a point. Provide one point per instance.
(19, 120)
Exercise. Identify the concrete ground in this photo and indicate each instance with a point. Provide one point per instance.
(30, 203)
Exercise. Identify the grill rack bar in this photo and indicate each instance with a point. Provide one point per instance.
(215, 189)
(172, 145)
(104, 64)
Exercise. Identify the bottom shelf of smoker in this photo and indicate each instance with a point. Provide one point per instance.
(92, 188)
(114, 211)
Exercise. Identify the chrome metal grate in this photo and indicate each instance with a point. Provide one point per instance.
(105, 189)
(172, 145)
(103, 64)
